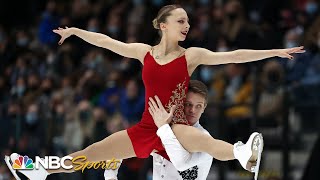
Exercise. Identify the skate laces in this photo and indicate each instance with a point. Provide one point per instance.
(238, 145)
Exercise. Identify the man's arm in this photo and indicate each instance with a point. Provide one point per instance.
(180, 158)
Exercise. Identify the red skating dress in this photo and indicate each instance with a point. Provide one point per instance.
(170, 83)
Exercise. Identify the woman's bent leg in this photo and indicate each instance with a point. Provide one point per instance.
(193, 140)
(117, 145)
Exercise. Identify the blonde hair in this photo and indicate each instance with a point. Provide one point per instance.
(163, 13)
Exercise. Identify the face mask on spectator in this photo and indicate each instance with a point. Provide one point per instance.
(99, 58)
(84, 115)
(100, 120)
(20, 90)
(205, 74)
(255, 16)
(93, 29)
(31, 118)
(13, 116)
(222, 49)
(22, 42)
(157, 2)
(204, 26)
(113, 29)
(273, 76)
(204, 2)
(59, 117)
(111, 84)
(232, 15)
(290, 44)
(47, 91)
(50, 58)
(137, 2)
(311, 7)
(33, 87)
(92, 64)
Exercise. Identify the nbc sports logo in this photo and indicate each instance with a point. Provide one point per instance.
(23, 162)
(16, 162)
(27, 167)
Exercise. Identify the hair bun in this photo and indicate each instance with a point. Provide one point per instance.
(155, 24)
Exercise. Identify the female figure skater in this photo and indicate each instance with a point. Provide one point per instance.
(167, 68)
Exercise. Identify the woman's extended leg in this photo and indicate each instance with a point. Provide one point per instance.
(193, 140)
(117, 145)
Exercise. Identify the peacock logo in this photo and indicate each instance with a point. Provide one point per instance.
(23, 162)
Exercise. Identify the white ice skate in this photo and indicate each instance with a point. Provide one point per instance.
(35, 174)
(249, 154)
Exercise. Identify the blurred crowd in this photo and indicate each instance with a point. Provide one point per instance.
(59, 99)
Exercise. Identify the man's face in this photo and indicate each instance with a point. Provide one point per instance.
(194, 107)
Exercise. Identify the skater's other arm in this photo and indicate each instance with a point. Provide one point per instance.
(130, 50)
(204, 56)
(180, 158)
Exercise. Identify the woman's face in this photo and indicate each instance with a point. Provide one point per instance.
(177, 25)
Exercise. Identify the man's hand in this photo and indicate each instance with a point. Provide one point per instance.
(158, 113)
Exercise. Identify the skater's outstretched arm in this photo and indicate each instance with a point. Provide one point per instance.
(204, 56)
(130, 50)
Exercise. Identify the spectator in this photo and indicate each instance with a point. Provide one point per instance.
(132, 102)
(49, 20)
